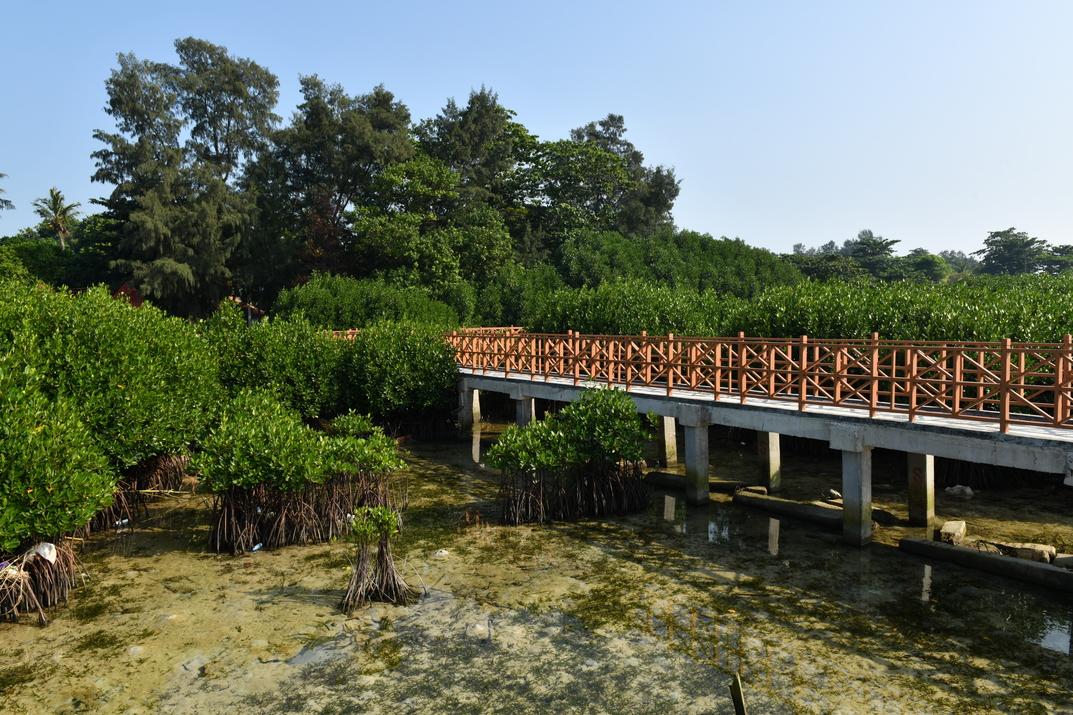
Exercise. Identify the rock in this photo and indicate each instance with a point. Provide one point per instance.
(477, 630)
(960, 490)
(952, 532)
(1042, 553)
(440, 554)
(1063, 560)
(135, 651)
(755, 489)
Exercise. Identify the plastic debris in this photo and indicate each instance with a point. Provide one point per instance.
(47, 551)
(257, 547)
(121, 522)
(440, 554)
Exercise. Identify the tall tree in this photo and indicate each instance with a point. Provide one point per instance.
(872, 252)
(648, 201)
(57, 214)
(4, 203)
(1010, 252)
(481, 142)
(181, 219)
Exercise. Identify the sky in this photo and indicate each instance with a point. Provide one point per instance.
(787, 122)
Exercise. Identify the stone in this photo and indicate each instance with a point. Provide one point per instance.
(755, 489)
(135, 651)
(832, 495)
(440, 554)
(952, 532)
(478, 630)
(960, 490)
(1042, 553)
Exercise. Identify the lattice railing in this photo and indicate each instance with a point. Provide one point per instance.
(1001, 382)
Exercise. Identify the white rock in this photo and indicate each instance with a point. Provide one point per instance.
(440, 554)
(135, 651)
(477, 630)
(47, 551)
(952, 532)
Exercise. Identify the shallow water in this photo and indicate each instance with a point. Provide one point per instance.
(650, 613)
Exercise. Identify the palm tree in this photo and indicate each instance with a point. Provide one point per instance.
(4, 203)
(57, 214)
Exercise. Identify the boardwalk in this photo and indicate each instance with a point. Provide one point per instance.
(1004, 403)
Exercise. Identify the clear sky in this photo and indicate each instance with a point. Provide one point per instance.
(930, 122)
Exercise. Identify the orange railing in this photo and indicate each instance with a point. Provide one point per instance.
(999, 382)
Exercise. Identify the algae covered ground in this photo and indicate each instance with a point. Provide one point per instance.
(650, 613)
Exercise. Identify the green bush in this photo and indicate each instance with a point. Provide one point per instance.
(630, 307)
(341, 302)
(400, 372)
(53, 475)
(290, 357)
(146, 384)
(261, 441)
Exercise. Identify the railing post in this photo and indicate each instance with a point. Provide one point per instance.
(1061, 378)
(873, 400)
(647, 354)
(574, 350)
(668, 355)
(802, 386)
(1004, 394)
(959, 378)
(912, 367)
(742, 387)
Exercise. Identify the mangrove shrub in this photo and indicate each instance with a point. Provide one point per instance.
(342, 302)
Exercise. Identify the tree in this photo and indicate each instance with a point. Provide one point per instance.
(959, 261)
(57, 214)
(4, 203)
(920, 264)
(872, 252)
(648, 201)
(180, 219)
(1011, 252)
(481, 142)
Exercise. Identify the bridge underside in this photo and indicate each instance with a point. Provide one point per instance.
(846, 429)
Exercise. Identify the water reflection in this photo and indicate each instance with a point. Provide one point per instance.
(773, 536)
(475, 446)
(925, 587)
(1059, 636)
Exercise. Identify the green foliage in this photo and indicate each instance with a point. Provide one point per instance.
(12, 267)
(146, 384)
(630, 307)
(684, 259)
(342, 302)
(261, 441)
(1011, 251)
(290, 357)
(599, 429)
(53, 476)
(400, 372)
(44, 260)
(353, 424)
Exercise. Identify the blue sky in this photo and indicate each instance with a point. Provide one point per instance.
(929, 122)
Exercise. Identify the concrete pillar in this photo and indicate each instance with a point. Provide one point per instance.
(857, 496)
(524, 410)
(475, 443)
(767, 446)
(921, 469)
(469, 408)
(668, 441)
(697, 464)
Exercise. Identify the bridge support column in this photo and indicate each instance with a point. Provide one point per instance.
(857, 496)
(697, 464)
(921, 473)
(469, 408)
(524, 410)
(767, 446)
(668, 441)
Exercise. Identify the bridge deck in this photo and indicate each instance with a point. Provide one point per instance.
(921, 419)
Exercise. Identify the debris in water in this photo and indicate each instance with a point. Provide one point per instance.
(257, 547)
(47, 551)
(440, 554)
(832, 494)
(960, 490)
(121, 522)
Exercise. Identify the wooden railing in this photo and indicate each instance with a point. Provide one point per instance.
(999, 382)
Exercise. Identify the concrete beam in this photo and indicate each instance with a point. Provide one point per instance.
(524, 410)
(767, 446)
(668, 442)
(697, 464)
(921, 478)
(969, 443)
(857, 496)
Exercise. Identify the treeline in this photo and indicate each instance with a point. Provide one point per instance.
(1026, 307)
(216, 195)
